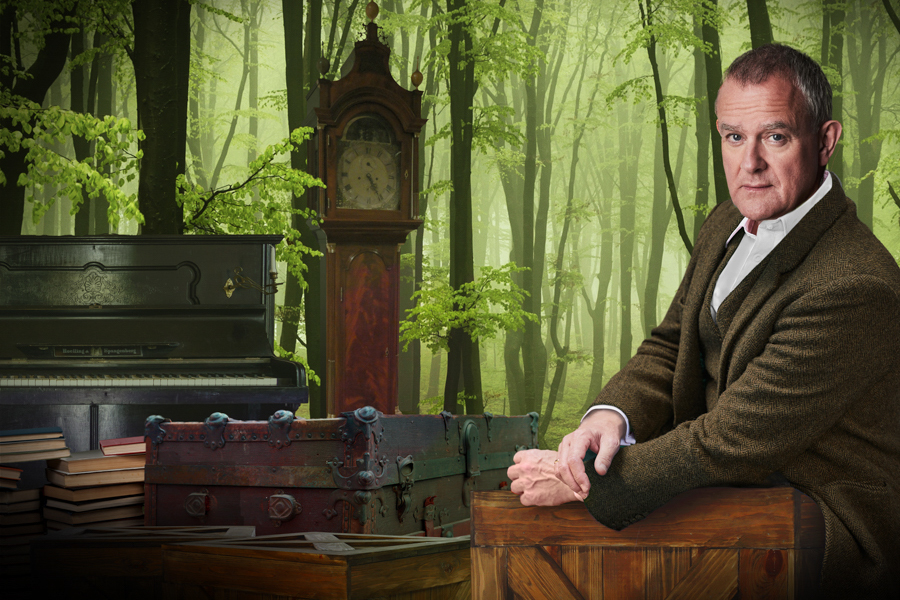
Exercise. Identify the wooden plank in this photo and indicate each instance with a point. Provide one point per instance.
(623, 574)
(765, 573)
(713, 577)
(489, 574)
(583, 565)
(536, 576)
(807, 572)
(706, 517)
(663, 569)
(409, 574)
(811, 523)
(250, 574)
(102, 562)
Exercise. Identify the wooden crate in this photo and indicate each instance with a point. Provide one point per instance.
(319, 565)
(708, 543)
(124, 563)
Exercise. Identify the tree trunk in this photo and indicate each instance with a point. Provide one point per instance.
(161, 67)
(868, 81)
(463, 354)
(104, 67)
(47, 66)
(701, 195)
(81, 101)
(760, 27)
(713, 80)
(598, 312)
(629, 152)
(531, 279)
(833, 57)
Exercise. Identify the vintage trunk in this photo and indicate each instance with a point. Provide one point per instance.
(710, 543)
(318, 566)
(361, 473)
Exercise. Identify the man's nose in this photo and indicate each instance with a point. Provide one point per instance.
(752, 160)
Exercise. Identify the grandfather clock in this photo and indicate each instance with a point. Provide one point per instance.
(364, 149)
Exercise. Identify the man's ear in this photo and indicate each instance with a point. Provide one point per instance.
(829, 134)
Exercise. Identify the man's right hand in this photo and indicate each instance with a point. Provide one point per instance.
(600, 431)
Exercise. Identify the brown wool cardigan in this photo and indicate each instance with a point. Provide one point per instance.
(805, 387)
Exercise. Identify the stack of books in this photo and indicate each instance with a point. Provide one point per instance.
(9, 477)
(20, 522)
(91, 488)
(28, 445)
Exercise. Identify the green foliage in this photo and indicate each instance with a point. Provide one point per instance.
(259, 204)
(34, 129)
(299, 358)
(482, 308)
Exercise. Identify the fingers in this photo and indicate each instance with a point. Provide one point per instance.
(609, 445)
(570, 468)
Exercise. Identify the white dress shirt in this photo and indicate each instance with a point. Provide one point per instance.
(751, 251)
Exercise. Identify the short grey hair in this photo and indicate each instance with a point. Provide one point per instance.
(777, 60)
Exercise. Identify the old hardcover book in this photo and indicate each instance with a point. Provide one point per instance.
(17, 507)
(93, 493)
(11, 497)
(31, 446)
(59, 525)
(10, 473)
(76, 480)
(30, 456)
(95, 504)
(127, 445)
(10, 484)
(14, 530)
(364, 472)
(95, 460)
(93, 516)
(35, 433)
(21, 518)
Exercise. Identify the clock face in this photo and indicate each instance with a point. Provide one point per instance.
(368, 166)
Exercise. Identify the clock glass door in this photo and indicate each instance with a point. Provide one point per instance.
(368, 165)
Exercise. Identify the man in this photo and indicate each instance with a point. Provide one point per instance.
(778, 362)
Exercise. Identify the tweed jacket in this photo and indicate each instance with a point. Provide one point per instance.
(807, 390)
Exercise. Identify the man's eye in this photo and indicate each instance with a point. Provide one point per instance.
(777, 137)
(733, 137)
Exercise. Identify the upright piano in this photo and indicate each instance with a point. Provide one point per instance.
(99, 332)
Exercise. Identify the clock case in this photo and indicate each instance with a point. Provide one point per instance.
(365, 88)
(362, 246)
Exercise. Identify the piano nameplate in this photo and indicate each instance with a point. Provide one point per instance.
(90, 351)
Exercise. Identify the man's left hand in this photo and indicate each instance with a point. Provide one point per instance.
(533, 478)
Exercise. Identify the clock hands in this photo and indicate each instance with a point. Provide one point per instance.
(374, 187)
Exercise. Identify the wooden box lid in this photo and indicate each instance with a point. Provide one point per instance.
(320, 565)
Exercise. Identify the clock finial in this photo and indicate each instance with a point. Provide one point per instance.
(416, 77)
(371, 10)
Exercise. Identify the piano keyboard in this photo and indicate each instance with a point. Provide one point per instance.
(140, 380)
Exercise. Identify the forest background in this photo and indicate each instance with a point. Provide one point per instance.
(570, 157)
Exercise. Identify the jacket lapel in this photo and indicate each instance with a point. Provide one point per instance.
(783, 259)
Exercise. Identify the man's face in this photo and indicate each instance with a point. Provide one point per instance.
(773, 159)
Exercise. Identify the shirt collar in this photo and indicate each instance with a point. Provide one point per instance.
(789, 220)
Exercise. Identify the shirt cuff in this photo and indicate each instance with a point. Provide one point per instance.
(628, 440)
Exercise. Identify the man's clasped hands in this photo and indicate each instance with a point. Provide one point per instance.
(553, 477)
